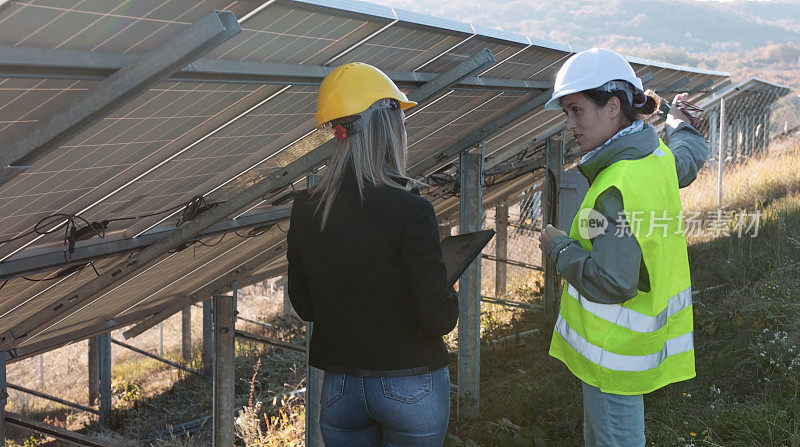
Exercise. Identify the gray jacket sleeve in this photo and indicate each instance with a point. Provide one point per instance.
(690, 151)
(610, 273)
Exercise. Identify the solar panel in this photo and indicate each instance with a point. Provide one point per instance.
(183, 138)
(139, 136)
(131, 26)
(24, 101)
(288, 34)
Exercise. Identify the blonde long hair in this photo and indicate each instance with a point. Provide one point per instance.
(377, 155)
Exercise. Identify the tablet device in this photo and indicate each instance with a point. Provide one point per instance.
(459, 251)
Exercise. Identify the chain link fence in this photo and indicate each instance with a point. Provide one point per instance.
(523, 253)
(742, 124)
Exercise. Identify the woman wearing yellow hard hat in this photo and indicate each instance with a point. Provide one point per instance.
(365, 265)
(625, 322)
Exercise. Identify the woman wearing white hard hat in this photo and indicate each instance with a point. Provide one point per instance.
(625, 321)
(365, 265)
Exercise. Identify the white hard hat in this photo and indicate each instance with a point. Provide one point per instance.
(592, 69)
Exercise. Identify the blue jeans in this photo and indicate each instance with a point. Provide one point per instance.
(612, 420)
(385, 411)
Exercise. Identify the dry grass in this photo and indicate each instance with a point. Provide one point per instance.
(749, 185)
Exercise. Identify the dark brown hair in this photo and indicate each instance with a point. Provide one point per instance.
(651, 102)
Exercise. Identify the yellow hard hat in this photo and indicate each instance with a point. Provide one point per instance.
(353, 88)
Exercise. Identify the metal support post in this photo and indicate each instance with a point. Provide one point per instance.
(713, 133)
(314, 375)
(747, 136)
(3, 397)
(94, 370)
(161, 339)
(41, 372)
(761, 140)
(721, 150)
(469, 286)
(736, 132)
(104, 373)
(767, 129)
(550, 211)
(186, 334)
(208, 334)
(288, 310)
(224, 370)
(501, 248)
(444, 230)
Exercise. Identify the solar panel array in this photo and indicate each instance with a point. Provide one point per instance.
(214, 135)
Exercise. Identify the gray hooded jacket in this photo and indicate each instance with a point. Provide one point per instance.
(613, 271)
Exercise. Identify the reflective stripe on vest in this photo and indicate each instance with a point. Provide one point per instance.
(619, 362)
(628, 318)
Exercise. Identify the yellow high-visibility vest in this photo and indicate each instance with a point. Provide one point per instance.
(646, 342)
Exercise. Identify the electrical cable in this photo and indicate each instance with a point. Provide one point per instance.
(73, 233)
(215, 243)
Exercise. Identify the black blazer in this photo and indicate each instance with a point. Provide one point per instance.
(374, 282)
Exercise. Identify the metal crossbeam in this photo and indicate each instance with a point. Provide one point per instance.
(86, 65)
(715, 91)
(125, 84)
(701, 86)
(223, 282)
(56, 432)
(253, 194)
(522, 165)
(497, 158)
(270, 341)
(512, 262)
(99, 327)
(452, 151)
(41, 259)
(676, 85)
(263, 276)
(67, 403)
(153, 356)
(510, 303)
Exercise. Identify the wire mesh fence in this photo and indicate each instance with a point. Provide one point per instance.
(522, 247)
(743, 122)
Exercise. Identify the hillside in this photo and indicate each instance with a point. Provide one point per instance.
(695, 26)
(743, 38)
